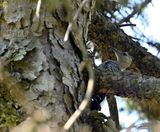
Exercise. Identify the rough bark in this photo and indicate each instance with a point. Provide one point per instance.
(38, 62)
(128, 84)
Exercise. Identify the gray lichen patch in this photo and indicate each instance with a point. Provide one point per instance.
(31, 67)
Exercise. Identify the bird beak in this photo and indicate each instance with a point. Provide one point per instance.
(116, 51)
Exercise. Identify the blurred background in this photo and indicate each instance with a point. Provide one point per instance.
(144, 18)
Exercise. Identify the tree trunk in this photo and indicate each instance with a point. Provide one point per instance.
(37, 62)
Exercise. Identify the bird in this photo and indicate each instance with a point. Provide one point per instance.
(123, 61)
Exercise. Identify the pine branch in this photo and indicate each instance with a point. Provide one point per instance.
(105, 35)
(113, 108)
(128, 84)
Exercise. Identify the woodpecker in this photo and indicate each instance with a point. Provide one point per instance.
(123, 61)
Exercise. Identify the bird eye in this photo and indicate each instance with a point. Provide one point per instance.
(125, 54)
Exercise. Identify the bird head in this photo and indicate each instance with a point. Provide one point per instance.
(123, 59)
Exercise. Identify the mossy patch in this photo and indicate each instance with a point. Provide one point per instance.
(9, 114)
